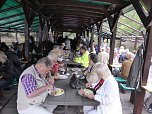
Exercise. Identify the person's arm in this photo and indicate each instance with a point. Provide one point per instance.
(108, 97)
(30, 86)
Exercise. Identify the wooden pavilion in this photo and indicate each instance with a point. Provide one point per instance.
(77, 16)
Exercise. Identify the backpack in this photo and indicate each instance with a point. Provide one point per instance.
(75, 82)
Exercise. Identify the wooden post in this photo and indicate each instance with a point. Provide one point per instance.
(139, 96)
(88, 32)
(92, 37)
(2, 2)
(135, 45)
(27, 35)
(120, 41)
(113, 28)
(16, 35)
(146, 19)
(29, 16)
(100, 39)
(41, 28)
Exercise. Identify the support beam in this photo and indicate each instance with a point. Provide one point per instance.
(29, 16)
(12, 16)
(10, 8)
(129, 27)
(132, 19)
(139, 96)
(2, 2)
(18, 20)
(140, 11)
(113, 21)
(100, 39)
(92, 37)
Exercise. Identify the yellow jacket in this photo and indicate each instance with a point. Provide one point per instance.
(84, 59)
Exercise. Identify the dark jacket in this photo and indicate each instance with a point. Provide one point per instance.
(134, 78)
(14, 62)
(6, 70)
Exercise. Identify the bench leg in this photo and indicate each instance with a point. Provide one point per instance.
(1, 93)
(122, 91)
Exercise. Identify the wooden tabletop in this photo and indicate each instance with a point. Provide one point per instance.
(70, 97)
(148, 87)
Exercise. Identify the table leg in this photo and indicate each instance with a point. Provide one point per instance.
(78, 110)
(66, 109)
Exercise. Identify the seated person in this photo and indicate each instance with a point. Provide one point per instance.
(107, 93)
(126, 65)
(33, 89)
(15, 63)
(58, 64)
(84, 59)
(91, 77)
(5, 71)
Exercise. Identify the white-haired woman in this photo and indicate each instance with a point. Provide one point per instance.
(107, 93)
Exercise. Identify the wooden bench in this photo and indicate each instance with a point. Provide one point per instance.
(124, 88)
(120, 80)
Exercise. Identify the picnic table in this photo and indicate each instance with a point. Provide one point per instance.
(71, 96)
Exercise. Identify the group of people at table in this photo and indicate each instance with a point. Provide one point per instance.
(36, 80)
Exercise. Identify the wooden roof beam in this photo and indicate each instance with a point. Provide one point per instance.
(85, 9)
(131, 19)
(10, 8)
(73, 13)
(130, 27)
(72, 4)
(12, 16)
(15, 21)
(2, 2)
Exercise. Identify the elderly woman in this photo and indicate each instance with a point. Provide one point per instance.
(5, 71)
(107, 93)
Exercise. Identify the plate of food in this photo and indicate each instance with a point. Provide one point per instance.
(74, 69)
(63, 77)
(80, 77)
(62, 69)
(57, 92)
(86, 91)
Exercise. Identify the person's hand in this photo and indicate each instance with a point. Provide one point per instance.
(81, 91)
(88, 85)
(90, 96)
(57, 76)
(51, 80)
(1, 77)
(49, 87)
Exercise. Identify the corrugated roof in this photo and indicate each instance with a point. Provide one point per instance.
(12, 17)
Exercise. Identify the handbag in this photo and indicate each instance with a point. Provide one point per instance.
(75, 82)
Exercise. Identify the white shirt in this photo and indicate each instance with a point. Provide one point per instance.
(108, 96)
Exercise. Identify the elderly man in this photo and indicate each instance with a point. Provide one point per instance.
(91, 76)
(33, 89)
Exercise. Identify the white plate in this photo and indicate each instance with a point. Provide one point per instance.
(67, 74)
(81, 77)
(87, 91)
(62, 69)
(58, 92)
(63, 77)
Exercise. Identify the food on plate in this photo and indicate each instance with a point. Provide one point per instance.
(57, 92)
(85, 91)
